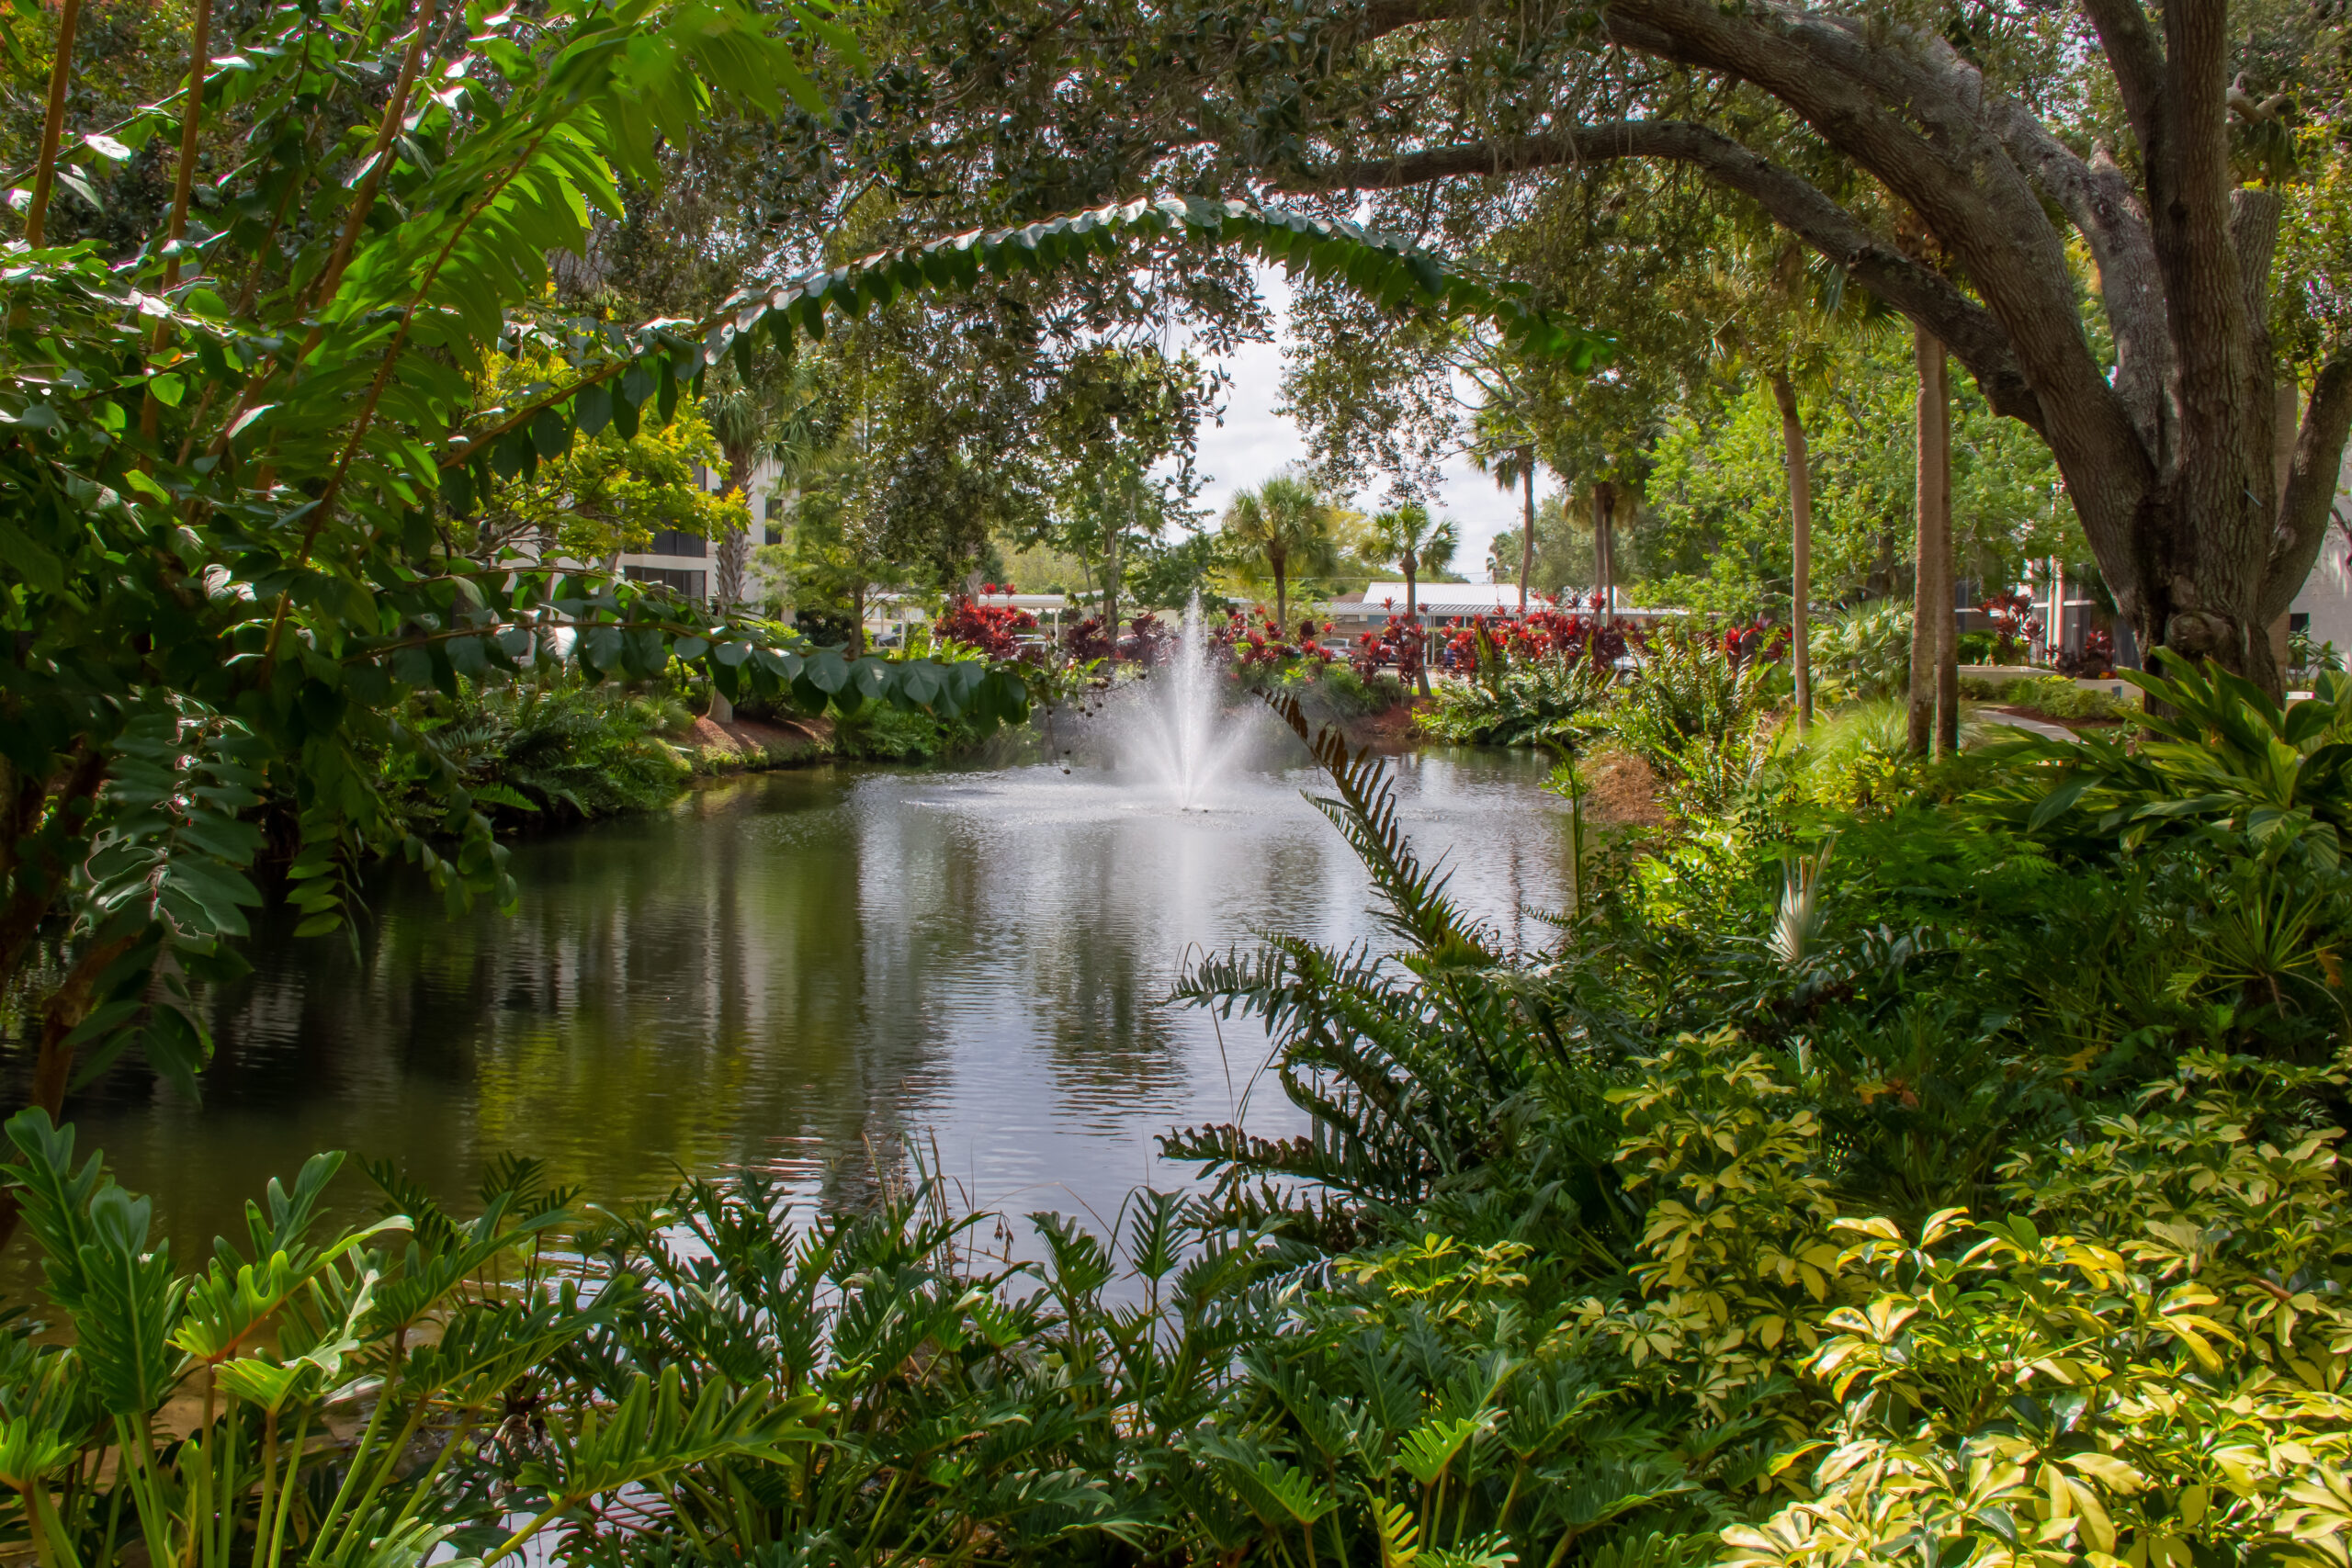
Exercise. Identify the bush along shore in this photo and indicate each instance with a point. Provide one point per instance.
(1942, 1172)
(1565, 676)
(554, 749)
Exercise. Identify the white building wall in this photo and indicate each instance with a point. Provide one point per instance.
(2326, 596)
(691, 565)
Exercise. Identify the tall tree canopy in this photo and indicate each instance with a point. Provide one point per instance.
(1950, 159)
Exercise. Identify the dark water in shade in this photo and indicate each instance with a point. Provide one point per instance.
(799, 971)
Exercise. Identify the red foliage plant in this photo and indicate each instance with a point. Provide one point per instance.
(993, 630)
(2014, 624)
(1567, 634)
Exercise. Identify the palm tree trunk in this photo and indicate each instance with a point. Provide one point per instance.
(1604, 545)
(1281, 592)
(1932, 578)
(1801, 514)
(1527, 535)
(735, 545)
(1413, 612)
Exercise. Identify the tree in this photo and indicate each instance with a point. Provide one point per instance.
(1800, 467)
(838, 553)
(605, 494)
(1287, 523)
(741, 417)
(223, 480)
(231, 473)
(1114, 417)
(1417, 542)
(1513, 468)
(2170, 460)
(2153, 141)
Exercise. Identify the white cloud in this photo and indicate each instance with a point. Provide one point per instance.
(1254, 442)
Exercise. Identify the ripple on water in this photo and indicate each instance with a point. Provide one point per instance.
(808, 972)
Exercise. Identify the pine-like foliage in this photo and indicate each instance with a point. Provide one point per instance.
(1417, 1066)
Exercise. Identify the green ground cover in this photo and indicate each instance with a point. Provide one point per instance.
(1946, 1169)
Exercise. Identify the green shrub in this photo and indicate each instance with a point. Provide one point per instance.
(1331, 691)
(560, 750)
(2141, 1362)
(878, 732)
(1697, 716)
(1531, 703)
(1863, 654)
(2054, 696)
(2231, 765)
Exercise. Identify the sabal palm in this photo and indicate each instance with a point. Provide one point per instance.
(1511, 466)
(1287, 523)
(1417, 542)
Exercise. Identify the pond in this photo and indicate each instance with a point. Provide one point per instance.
(812, 972)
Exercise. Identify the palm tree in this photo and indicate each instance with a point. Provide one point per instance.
(740, 418)
(1514, 468)
(1417, 542)
(1787, 321)
(1285, 523)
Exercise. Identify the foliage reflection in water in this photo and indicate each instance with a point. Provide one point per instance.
(794, 969)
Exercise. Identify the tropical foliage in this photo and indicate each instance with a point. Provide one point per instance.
(1973, 1182)
(248, 465)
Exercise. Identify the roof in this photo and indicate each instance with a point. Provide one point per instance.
(1476, 598)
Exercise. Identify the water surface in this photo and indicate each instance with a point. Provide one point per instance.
(803, 971)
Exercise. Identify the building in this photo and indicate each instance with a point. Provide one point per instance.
(1442, 602)
(689, 564)
(2323, 607)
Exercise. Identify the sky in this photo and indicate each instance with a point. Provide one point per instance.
(1254, 442)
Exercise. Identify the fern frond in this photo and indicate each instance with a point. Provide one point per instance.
(1364, 810)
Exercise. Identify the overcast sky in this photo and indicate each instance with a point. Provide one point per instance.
(1254, 442)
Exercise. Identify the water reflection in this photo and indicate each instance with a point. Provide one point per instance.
(796, 969)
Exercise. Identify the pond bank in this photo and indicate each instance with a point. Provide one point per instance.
(754, 745)
(797, 971)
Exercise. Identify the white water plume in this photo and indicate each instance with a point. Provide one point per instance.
(1177, 734)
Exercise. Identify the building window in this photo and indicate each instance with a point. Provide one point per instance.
(670, 542)
(2299, 620)
(776, 536)
(693, 584)
(776, 507)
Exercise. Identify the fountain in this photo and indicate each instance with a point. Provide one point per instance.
(1177, 733)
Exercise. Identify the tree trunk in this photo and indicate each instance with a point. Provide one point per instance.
(1947, 616)
(1277, 560)
(857, 618)
(64, 1011)
(735, 545)
(1604, 545)
(1931, 590)
(2167, 445)
(1527, 535)
(1800, 544)
(1111, 592)
(1413, 612)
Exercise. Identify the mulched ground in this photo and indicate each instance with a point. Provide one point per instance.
(1624, 791)
(753, 743)
(1387, 733)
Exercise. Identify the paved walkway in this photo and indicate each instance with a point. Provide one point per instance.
(2038, 727)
